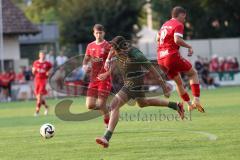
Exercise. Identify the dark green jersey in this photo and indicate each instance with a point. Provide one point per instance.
(130, 65)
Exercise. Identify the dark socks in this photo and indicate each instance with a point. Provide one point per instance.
(108, 135)
(173, 105)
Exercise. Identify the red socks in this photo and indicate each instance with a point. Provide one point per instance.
(195, 90)
(185, 97)
(106, 120)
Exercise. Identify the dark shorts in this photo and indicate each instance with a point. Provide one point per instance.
(134, 89)
(133, 94)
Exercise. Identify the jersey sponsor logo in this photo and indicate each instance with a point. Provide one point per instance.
(96, 59)
(164, 53)
(41, 70)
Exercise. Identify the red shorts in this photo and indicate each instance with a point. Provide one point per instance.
(40, 86)
(99, 89)
(174, 64)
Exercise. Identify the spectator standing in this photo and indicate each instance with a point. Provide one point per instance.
(61, 59)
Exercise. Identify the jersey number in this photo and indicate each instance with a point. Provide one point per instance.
(163, 34)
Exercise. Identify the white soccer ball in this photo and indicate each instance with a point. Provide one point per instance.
(47, 130)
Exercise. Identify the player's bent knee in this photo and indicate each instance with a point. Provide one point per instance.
(192, 72)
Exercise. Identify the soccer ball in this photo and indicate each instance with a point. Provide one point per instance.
(47, 130)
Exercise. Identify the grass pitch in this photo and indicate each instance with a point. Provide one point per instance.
(138, 136)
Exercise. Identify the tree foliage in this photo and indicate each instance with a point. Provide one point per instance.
(43, 11)
(117, 16)
(206, 18)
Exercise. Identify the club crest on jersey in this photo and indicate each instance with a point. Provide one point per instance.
(102, 51)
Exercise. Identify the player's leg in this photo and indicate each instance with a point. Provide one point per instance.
(183, 65)
(38, 104)
(91, 103)
(38, 97)
(95, 103)
(118, 101)
(92, 95)
(182, 91)
(43, 92)
(195, 87)
(146, 102)
(104, 89)
(172, 66)
(102, 104)
(44, 103)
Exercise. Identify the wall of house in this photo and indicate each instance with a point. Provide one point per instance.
(11, 47)
(11, 50)
(204, 47)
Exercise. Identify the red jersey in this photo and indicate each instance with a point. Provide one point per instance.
(99, 54)
(166, 44)
(20, 78)
(214, 65)
(4, 79)
(41, 69)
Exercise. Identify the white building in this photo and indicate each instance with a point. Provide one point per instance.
(14, 24)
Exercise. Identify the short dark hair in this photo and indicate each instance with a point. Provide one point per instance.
(117, 42)
(98, 27)
(177, 10)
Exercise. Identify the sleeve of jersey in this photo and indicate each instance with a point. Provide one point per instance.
(140, 58)
(88, 51)
(179, 31)
(109, 47)
(34, 65)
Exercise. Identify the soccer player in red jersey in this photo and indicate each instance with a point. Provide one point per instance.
(170, 38)
(40, 71)
(100, 83)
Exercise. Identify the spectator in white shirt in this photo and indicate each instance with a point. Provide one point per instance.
(61, 59)
(50, 57)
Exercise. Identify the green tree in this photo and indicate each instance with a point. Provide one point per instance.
(206, 18)
(79, 16)
(43, 10)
